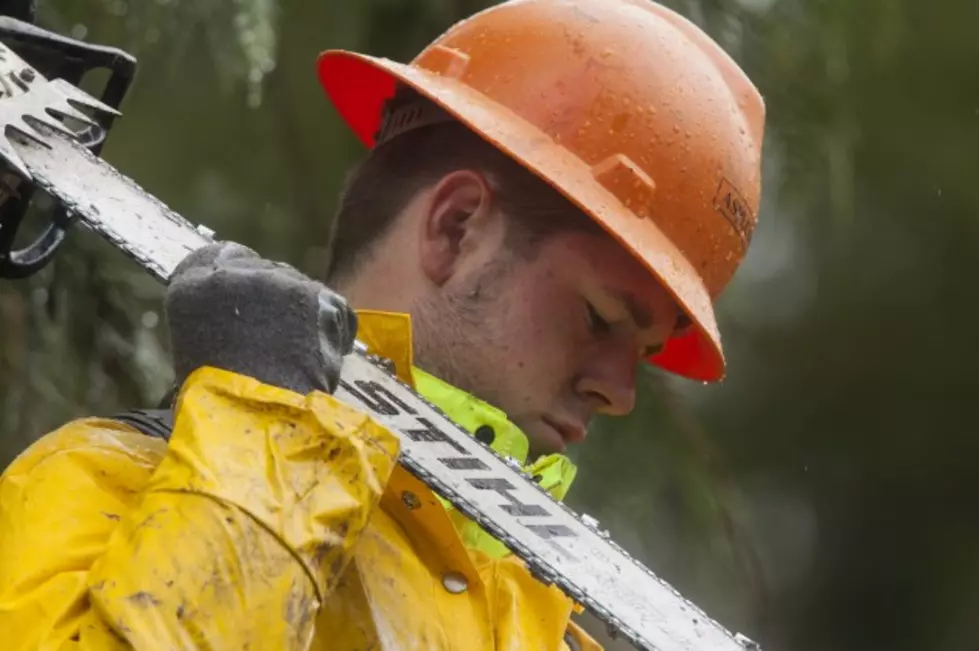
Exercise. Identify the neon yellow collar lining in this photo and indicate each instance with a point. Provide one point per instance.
(557, 472)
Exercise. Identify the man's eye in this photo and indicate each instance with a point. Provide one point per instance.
(596, 322)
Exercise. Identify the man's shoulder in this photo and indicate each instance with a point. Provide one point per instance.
(61, 499)
(90, 444)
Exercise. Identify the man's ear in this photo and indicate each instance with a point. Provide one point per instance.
(457, 212)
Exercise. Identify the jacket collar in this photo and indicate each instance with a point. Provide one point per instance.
(388, 334)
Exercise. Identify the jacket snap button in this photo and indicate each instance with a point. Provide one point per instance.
(454, 582)
(410, 500)
(485, 434)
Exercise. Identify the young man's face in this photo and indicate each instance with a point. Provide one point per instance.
(551, 338)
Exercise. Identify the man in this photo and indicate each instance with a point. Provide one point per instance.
(556, 191)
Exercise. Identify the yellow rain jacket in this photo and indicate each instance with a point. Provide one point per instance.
(271, 521)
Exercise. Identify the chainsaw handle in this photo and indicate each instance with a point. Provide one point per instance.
(21, 263)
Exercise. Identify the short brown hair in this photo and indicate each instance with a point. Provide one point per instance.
(393, 172)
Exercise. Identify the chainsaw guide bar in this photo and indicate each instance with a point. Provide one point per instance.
(558, 546)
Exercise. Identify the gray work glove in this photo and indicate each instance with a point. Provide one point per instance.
(231, 309)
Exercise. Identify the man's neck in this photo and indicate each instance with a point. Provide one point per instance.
(385, 290)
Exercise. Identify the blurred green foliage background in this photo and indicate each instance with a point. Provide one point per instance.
(822, 498)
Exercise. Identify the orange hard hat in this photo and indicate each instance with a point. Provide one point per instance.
(626, 108)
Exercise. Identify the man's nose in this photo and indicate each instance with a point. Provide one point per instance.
(608, 382)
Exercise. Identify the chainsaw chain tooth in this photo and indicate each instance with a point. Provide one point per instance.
(74, 94)
(48, 121)
(57, 98)
(64, 109)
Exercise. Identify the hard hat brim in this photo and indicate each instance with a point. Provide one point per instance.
(358, 86)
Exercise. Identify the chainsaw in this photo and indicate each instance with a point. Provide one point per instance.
(52, 136)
